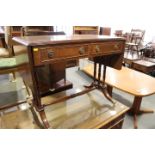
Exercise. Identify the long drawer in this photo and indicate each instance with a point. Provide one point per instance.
(54, 54)
(106, 48)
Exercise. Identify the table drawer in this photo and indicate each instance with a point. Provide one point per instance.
(106, 47)
(55, 54)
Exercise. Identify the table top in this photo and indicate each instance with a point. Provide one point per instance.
(62, 39)
(128, 80)
(144, 63)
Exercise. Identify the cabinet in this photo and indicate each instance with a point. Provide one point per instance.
(85, 30)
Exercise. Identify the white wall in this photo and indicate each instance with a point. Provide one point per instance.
(117, 14)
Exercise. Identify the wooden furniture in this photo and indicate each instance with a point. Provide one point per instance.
(17, 30)
(4, 53)
(143, 66)
(2, 40)
(149, 59)
(13, 49)
(130, 81)
(129, 59)
(135, 42)
(46, 50)
(39, 28)
(118, 33)
(3, 48)
(29, 30)
(11, 31)
(58, 69)
(85, 30)
(105, 31)
(81, 114)
(148, 50)
(9, 51)
(12, 65)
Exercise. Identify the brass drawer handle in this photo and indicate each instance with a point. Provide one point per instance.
(50, 54)
(81, 50)
(97, 49)
(116, 46)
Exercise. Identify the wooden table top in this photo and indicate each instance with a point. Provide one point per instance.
(128, 80)
(144, 63)
(62, 39)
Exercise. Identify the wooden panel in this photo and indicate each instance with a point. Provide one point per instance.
(64, 39)
(144, 66)
(103, 48)
(51, 78)
(85, 29)
(55, 53)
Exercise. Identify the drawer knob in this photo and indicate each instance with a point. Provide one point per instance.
(81, 50)
(97, 48)
(50, 54)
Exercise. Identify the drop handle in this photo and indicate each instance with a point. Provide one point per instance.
(50, 54)
(97, 49)
(81, 50)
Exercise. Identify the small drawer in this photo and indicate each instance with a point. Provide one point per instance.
(55, 54)
(106, 47)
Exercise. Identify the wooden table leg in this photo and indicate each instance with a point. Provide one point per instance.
(3, 42)
(36, 119)
(109, 89)
(135, 109)
(44, 119)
